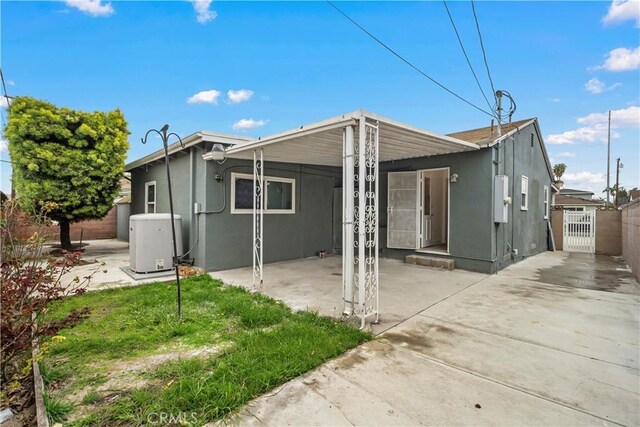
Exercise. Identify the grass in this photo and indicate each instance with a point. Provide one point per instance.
(57, 410)
(259, 344)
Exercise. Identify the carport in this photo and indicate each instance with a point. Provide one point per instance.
(358, 142)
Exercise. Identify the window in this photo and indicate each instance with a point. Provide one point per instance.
(546, 202)
(279, 194)
(150, 197)
(524, 194)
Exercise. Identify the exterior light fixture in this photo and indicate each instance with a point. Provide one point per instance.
(454, 178)
(217, 153)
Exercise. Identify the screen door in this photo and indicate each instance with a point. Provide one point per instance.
(402, 208)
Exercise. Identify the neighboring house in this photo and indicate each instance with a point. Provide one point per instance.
(477, 197)
(581, 194)
(634, 194)
(574, 203)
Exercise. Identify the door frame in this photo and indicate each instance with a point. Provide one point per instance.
(419, 208)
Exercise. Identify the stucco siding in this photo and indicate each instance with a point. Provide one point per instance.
(470, 205)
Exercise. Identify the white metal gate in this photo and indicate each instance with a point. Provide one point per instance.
(579, 231)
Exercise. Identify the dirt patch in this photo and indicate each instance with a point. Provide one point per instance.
(124, 376)
(349, 360)
(414, 340)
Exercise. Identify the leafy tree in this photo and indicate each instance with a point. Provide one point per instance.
(72, 158)
(559, 170)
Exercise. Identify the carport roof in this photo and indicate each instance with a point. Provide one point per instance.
(320, 143)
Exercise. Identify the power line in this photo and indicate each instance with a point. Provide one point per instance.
(464, 51)
(400, 57)
(4, 87)
(484, 53)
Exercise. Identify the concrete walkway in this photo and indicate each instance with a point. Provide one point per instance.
(552, 340)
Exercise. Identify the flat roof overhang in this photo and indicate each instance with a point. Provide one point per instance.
(320, 143)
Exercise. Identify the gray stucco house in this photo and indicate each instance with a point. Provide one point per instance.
(479, 197)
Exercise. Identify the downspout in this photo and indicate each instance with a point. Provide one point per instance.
(192, 197)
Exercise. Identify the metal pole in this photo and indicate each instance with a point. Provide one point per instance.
(362, 212)
(348, 219)
(173, 225)
(499, 101)
(165, 137)
(617, 180)
(609, 159)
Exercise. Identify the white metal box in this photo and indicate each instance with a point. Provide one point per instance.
(150, 242)
(501, 200)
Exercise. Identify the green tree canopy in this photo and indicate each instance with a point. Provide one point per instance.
(73, 158)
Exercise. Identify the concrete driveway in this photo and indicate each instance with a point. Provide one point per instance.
(553, 340)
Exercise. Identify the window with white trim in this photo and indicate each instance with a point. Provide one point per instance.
(150, 197)
(546, 202)
(279, 194)
(524, 194)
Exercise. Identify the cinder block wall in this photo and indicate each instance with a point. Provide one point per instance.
(104, 228)
(608, 232)
(631, 236)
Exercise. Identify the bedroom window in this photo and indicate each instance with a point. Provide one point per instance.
(150, 197)
(279, 194)
(546, 202)
(524, 194)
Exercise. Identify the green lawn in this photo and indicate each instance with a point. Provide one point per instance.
(132, 358)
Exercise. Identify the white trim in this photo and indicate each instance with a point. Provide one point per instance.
(146, 197)
(420, 171)
(267, 179)
(524, 189)
(545, 202)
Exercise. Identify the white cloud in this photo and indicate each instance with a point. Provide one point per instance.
(583, 177)
(205, 97)
(623, 118)
(4, 102)
(566, 154)
(621, 11)
(4, 145)
(238, 96)
(203, 13)
(596, 86)
(92, 7)
(595, 125)
(11, 83)
(245, 124)
(620, 59)
(554, 100)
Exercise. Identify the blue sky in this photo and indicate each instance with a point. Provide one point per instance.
(288, 64)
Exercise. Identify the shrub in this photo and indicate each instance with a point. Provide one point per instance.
(29, 282)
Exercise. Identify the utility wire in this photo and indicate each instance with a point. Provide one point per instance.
(484, 53)
(400, 57)
(4, 87)
(464, 51)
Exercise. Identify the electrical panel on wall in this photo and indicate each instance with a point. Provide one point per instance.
(501, 199)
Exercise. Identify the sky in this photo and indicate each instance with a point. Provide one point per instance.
(258, 68)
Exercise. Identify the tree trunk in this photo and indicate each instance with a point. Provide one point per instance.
(65, 236)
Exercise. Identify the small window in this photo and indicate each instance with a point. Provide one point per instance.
(150, 197)
(524, 194)
(546, 202)
(279, 194)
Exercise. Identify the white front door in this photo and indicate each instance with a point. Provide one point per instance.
(403, 230)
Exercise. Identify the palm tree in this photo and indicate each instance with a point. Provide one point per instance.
(558, 171)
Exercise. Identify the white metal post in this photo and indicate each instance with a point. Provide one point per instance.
(347, 220)
(361, 215)
(376, 229)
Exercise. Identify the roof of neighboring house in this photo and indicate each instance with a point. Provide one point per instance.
(634, 194)
(567, 191)
(575, 201)
(488, 134)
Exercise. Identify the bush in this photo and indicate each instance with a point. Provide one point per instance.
(29, 282)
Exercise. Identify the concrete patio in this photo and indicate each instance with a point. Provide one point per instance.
(316, 284)
(552, 340)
